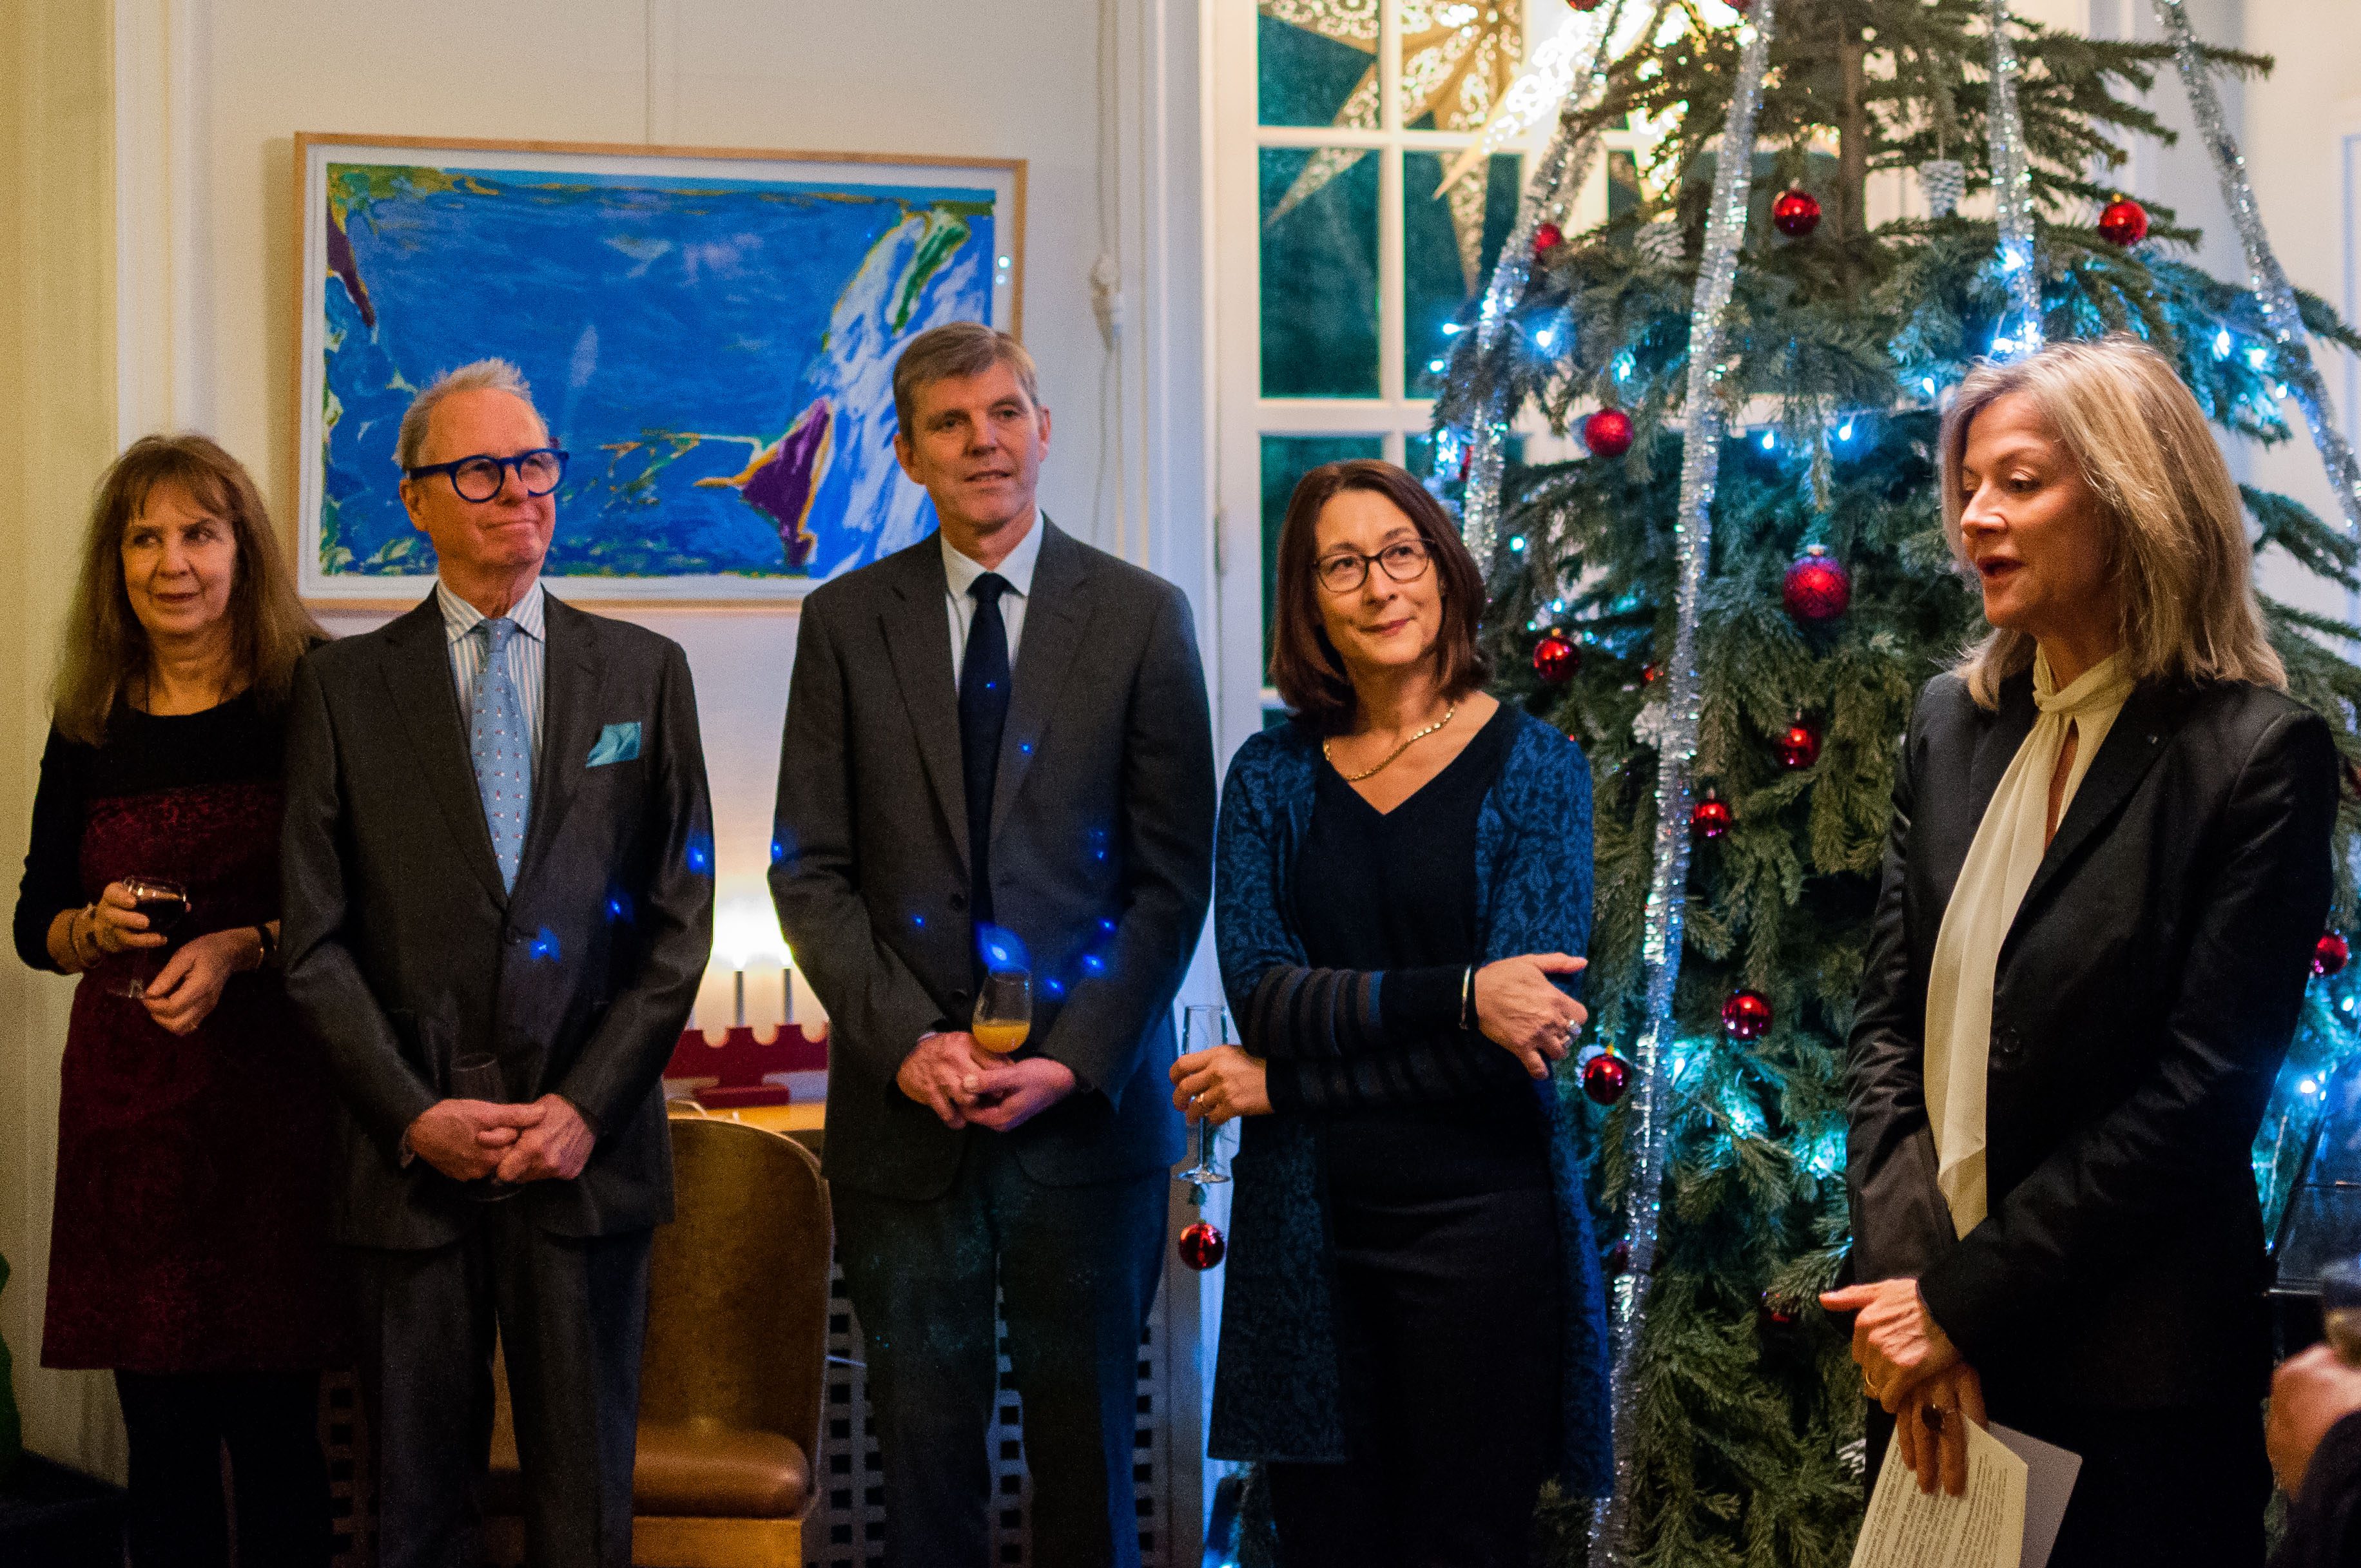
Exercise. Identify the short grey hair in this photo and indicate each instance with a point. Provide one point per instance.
(483, 376)
(959, 350)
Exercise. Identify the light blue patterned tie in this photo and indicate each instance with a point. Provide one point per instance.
(501, 748)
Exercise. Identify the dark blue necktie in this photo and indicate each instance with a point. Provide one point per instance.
(983, 714)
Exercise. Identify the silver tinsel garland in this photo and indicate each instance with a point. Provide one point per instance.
(2020, 331)
(1545, 195)
(2269, 279)
(1647, 1117)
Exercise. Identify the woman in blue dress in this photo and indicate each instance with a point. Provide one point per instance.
(1414, 1335)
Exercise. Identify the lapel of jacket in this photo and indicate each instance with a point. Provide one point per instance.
(417, 669)
(570, 718)
(918, 641)
(2134, 743)
(1994, 751)
(1056, 614)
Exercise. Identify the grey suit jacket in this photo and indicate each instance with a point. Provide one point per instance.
(1100, 854)
(403, 951)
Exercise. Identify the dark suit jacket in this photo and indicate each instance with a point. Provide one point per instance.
(403, 951)
(1102, 854)
(2145, 997)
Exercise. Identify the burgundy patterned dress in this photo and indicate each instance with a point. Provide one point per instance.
(191, 1226)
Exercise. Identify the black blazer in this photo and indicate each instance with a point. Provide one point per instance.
(2145, 997)
(403, 950)
(1102, 854)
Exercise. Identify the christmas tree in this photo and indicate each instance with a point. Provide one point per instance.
(1828, 600)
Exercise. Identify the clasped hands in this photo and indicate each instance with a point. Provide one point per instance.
(1909, 1366)
(467, 1140)
(961, 1082)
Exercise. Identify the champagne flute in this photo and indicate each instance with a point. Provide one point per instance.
(166, 904)
(477, 1077)
(1003, 1009)
(1202, 1028)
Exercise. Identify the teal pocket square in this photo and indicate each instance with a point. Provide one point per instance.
(616, 743)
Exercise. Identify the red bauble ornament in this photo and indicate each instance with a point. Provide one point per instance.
(2124, 222)
(1606, 1075)
(1795, 214)
(1555, 658)
(1819, 587)
(1648, 674)
(1201, 1245)
(1546, 238)
(1799, 746)
(1586, 5)
(1711, 818)
(2331, 953)
(1779, 1314)
(1608, 432)
(1746, 1016)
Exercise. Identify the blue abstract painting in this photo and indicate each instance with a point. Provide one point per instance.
(715, 352)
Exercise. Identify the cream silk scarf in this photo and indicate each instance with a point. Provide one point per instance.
(2009, 844)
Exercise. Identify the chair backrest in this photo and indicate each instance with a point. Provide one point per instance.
(738, 1285)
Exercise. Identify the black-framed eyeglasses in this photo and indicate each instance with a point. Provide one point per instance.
(1348, 569)
(479, 479)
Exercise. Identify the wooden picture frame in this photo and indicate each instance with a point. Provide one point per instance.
(710, 332)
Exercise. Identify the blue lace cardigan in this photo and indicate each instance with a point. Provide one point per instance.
(1276, 1393)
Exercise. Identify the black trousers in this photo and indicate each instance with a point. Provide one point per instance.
(571, 1314)
(2173, 1489)
(1077, 1269)
(1449, 1320)
(180, 1423)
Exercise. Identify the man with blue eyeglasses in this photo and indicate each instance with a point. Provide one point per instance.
(499, 900)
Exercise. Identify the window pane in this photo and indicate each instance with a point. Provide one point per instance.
(1449, 244)
(1319, 273)
(1458, 58)
(1623, 183)
(1285, 460)
(1316, 63)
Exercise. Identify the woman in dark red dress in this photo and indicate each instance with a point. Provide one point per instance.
(189, 1251)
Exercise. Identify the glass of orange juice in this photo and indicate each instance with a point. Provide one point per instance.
(1003, 1009)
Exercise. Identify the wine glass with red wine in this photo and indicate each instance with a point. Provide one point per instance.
(166, 904)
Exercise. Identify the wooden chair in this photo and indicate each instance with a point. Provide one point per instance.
(730, 1378)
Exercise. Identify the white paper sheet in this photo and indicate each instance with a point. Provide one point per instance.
(1985, 1529)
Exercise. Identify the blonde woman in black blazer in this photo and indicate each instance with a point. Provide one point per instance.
(2108, 865)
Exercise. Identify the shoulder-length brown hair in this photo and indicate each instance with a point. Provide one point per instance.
(105, 648)
(2175, 528)
(1304, 665)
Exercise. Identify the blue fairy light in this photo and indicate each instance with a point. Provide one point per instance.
(1928, 382)
(545, 946)
(1517, 545)
(2222, 344)
(2257, 356)
(1624, 366)
(1438, 366)
(1453, 329)
(1844, 431)
(1546, 337)
(2308, 1086)
(1770, 440)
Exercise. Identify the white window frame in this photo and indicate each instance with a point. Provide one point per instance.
(1242, 415)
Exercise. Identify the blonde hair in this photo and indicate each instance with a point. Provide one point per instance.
(957, 351)
(105, 648)
(2176, 529)
(482, 376)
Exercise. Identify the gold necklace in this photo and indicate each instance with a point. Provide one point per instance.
(1357, 778)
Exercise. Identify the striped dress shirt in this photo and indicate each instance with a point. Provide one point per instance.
(528, 655)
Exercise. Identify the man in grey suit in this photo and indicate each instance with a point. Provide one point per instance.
(499, 900)
(937, 817)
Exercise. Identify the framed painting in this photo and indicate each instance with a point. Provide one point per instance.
(710, 334)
